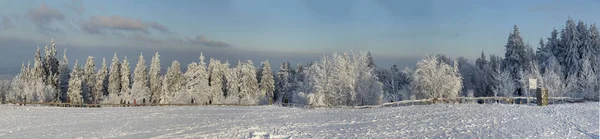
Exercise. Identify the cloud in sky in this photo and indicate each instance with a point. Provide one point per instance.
(101, 24)
(77, 6)
(43, 16)
(201, 40)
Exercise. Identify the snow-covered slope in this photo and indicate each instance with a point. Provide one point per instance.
(432, 121)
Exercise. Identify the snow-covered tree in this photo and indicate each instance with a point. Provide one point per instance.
(89, 76)
(155, 79)
(367, 85)
(588, 81)
(267, 82)
(126, 82)
(553, 78)
(249, 84)
(216, 71)
(197, 82)
(282, 85)
(114, 83)
(506, 86)
(515, 58)
(64, 75)
(102, 81)
(140, 92)
(435, 79)
(173, 84)
(233, 76)
(393, 83)
(76, 85)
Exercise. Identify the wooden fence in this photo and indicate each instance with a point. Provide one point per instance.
(480, 100)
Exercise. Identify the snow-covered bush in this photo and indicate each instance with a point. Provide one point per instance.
(433, 78)
(343, 80)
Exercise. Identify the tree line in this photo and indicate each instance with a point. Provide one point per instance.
(567, 62)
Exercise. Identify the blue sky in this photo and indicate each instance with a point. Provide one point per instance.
(390, 29)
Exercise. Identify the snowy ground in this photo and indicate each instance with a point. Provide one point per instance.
(432, 121)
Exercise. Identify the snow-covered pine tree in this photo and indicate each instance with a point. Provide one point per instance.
(371, 62)
(126, 82)
(553, 78)
(282, 84)
(267, 82)
(114, 81)
(63, 77)
(191, 83)
(202, 88)
(173, 83)
(367, 86)
(155, 79)
(594, 48)
(392, 80)
(102, 82)
(318, 83)
(570, 57)
(232, 76)
(249, 84)
(216, 81)
(51, 65)
(506, 86)
(588, 81)
(89, 76)
(515, 60)
(76, 85)
(17, 86)
(474, 77)
(140, 92)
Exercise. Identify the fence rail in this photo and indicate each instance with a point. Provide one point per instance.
(481, 100)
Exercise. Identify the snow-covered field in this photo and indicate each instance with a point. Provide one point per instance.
(432, 121)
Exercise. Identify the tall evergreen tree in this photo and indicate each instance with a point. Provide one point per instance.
(114, 84)
(140, 92)
(249, 87)
(76, 85)
(282, 84)
(173, 84)
(89, 76)
(516, 57)
(267, 82)
(155, 79)
(216, 81)
(126, 82)
(570, 52)
(102, 81)
(233, 76)
(594, 48)
(64, 76)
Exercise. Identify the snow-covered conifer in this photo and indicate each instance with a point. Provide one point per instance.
(101, 87)
(140, 92)
(155, 79)
(232, 76)
(126, 81)
(267, 82)
(64, 75)
(249, 87)
(282, 84)
(76, 85)
(89, 76)
(506, 86)
(173, 84)
(216, 81)
(114, 79)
